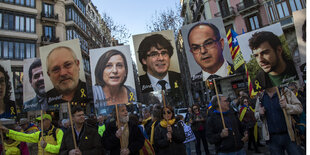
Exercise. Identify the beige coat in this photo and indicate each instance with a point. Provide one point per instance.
(293, 107)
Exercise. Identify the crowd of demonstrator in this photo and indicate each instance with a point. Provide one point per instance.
(263, 121)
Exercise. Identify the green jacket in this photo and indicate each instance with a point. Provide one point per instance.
(53, 145)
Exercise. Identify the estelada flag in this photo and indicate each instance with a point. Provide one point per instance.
(234, 47)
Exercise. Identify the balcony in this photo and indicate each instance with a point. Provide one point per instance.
(46, 40)
(49, 17)
(248, 6)
(226, 15)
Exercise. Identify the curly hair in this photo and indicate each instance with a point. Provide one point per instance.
(7, 84)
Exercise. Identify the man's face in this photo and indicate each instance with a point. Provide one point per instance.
(2, 86)
(266, 57)
(46, 124)
(63, 70)
(123, 113)
(224, 103)
(211, 59)
(37, 80)
(79, 117)
(157, 61)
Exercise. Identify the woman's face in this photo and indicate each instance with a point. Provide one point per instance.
(2, 86)
(246, 102)
(195, 109)
(114, 72)
(167, 114)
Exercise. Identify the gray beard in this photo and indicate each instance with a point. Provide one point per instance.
(124, 119)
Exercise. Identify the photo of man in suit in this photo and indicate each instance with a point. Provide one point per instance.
(155, 52)
(206, 46)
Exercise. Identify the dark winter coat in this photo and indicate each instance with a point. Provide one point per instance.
(112, 143)
(232, 142)
(88, 141)
(164, 146)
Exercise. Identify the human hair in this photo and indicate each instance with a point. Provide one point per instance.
(76, 109)
(154, 40)
(304, 31)
(163, 111)
(214, 100)
(36, 63)
(102, 63)
(243, 98)
(8, 87)
(197, 105)
(216, 31)
(57, 48)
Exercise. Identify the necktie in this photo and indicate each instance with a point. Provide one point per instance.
(162, 84)
(213, 76)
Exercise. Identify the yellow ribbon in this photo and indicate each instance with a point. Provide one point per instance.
(131, 97)
(257, 85)
(176, 84)
(83, 94)
(229, 70)
(12, 111)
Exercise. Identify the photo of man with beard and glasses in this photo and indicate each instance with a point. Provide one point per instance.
(63, 73)
(271, 63)
(36, 93)
(159, 66)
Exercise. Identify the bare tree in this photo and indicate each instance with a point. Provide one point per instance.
(168, 19)
(118, 32)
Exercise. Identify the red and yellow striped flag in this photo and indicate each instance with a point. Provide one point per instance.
(252, 93)
(234, 47)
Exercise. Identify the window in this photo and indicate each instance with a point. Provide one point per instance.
(17, 23)
(254, 24)
(48, 10)
(30, 3)
(295, 5)
(0, 20)
(30, 24)
(17, 49)
(49, 32)
(8, 22)
(283, 10)
(271, 13)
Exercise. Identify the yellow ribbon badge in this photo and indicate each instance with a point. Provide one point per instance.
(176, 84)
(83, 92)
(229, 70)
(12, 111)
(131, 97)
(257, 85)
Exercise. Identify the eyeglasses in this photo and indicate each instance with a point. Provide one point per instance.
(156, 54)
(195, 108)
(207, 45)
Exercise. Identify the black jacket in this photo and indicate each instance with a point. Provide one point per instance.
(112, 143)
(146, 85)
(232, 142)
(162, 144)
(88, 142)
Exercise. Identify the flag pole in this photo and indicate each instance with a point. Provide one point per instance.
(72, 127)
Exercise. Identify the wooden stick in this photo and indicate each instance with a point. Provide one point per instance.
(72, 127)
(118, 123)
(2, 140)
(218, 102)
(42, 129)
(165, 106)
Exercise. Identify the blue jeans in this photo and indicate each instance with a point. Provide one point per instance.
(188, 148)
(279, 143)
(240, 152)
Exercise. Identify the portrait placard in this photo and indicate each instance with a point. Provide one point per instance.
(158, 64)
(112, 77)
(63, 71)
(267, 57)
(33, 86)
(207, 50)
(7, 96)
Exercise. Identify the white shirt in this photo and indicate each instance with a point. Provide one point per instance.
(154, 82)
(222, 72)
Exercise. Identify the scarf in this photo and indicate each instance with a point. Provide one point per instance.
(145, 121)
(152, 132)
(164, 123)
(242, 116)
(125, 136)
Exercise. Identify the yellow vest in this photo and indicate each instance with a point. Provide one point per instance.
(48, 138)
(12, 149)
